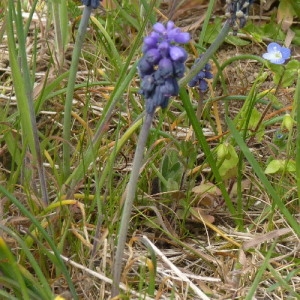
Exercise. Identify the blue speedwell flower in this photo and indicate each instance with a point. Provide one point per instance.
(92, 3)
(199, 80)
(277, 54)
(162, 64)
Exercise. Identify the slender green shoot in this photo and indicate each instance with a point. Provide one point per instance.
(70, 89)
(297, 109)
(22, 81)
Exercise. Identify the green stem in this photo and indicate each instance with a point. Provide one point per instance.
(70, 88)
(297, 105)
(130, 195)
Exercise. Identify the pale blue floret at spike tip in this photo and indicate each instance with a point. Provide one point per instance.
(277, 54)
(162, 64)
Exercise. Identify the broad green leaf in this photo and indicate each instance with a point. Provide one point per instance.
(280, 165)
(228, 166)
(236, 41)
(273, 167)
(171, 170)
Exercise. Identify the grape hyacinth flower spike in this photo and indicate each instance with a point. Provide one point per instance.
(237, 12)
(93, 3)
(162, 64)
(199, 80)
(277, 54)
(160, 68)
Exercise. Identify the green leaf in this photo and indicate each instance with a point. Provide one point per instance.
(273, 167)
(290, 72)
(228, 167)
(296, 5)
(281, 165)
(11, 270)
(212, 32)
(171, 170)
(236, 41)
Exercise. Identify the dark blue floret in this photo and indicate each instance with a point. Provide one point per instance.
(92, 3)
(156, 99)
(145, 68)
(162, 64)
(166, 68)
(147, 86)
(153, 56)
(170, 87)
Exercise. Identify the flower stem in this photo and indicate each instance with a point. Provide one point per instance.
(297, 112)
(70, 88)
(130, 195)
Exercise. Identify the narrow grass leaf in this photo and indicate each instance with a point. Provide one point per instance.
(23, 90)
(112, 51)
(207, 19)
(297, 108)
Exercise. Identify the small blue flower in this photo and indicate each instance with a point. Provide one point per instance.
(162, 64)
(92, 3)
(199, 80)
(277, 54)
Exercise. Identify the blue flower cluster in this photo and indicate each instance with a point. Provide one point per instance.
(92, 3)
(237, 12)
(162, 64)
(199, 80)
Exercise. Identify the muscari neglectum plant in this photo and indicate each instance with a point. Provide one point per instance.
(160, 68)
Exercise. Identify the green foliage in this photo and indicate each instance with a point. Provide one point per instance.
(227, 160)
(214, 29)
(171, 171)
(295, 4)
(285, 75)
(280, 165)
